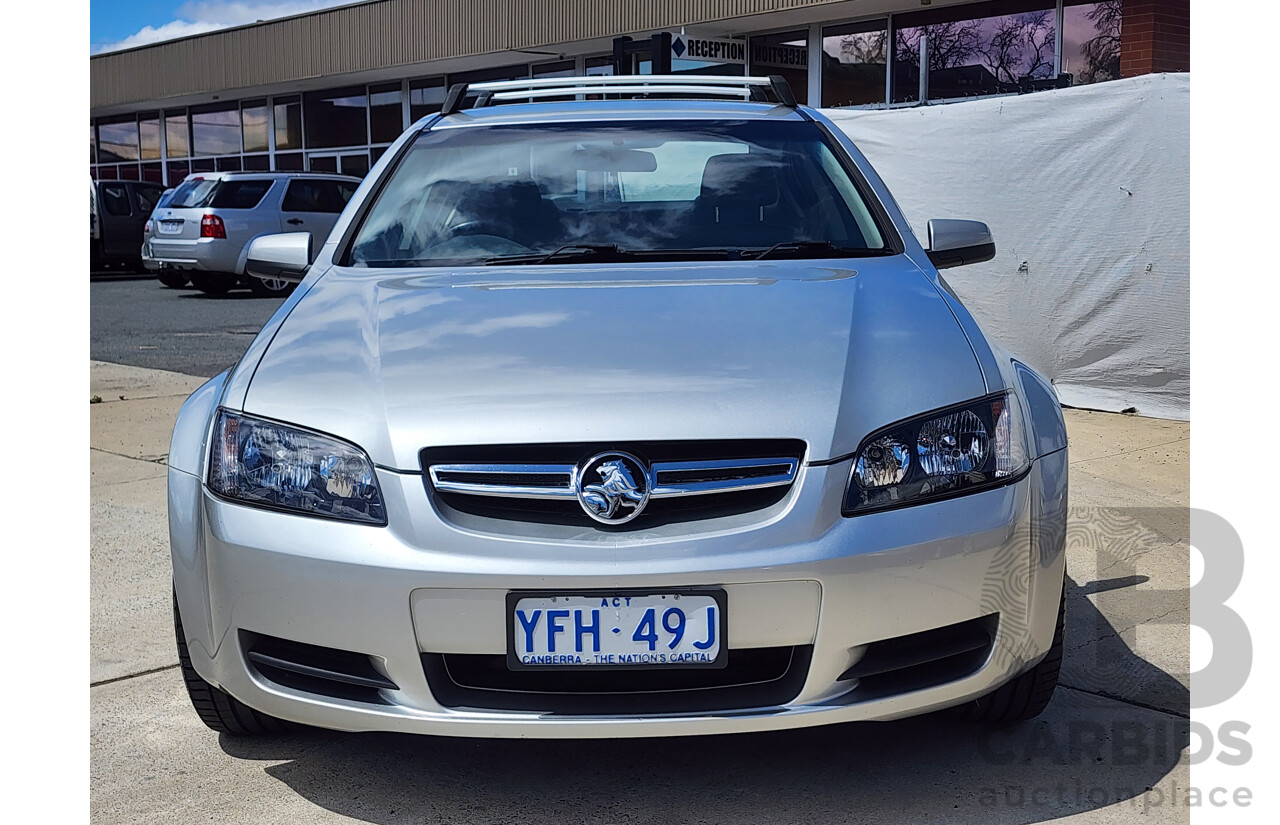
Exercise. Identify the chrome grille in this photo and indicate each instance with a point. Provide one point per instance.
(683, 481)
(667, 479)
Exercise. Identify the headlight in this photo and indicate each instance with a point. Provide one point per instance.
(283, 468)
(941, 454)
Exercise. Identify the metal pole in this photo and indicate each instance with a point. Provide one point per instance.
(924, 67)
(814, 97)
(1057, 40)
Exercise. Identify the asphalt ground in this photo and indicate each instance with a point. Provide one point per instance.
(135, 320)
(1113, 745)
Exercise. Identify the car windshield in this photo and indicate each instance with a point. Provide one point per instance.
(669, 190)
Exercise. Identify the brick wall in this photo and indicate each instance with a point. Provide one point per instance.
(1155, 37)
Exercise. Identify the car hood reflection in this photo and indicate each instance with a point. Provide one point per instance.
(823, 351)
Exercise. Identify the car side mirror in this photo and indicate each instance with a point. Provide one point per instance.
(957, 243)
(282, 257)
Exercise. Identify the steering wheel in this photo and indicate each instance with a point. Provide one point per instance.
(478, 228)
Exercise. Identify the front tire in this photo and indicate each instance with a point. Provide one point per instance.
(1028, 694)
(213, 283)
(219, 710)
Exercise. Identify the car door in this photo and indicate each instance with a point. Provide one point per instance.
(313, 205)
(116, 213)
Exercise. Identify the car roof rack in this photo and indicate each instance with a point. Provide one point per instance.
(695, 86)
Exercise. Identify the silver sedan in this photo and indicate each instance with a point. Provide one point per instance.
(600, 417)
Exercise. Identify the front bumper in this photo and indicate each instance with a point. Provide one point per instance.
(802, 577)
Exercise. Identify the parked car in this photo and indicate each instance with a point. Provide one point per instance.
(619, 417)
(203, 233)
(118, 211)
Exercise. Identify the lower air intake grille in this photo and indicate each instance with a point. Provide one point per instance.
(339, 674)
(922, 660)
(759, 678)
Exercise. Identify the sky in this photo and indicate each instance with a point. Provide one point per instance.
(121, 24)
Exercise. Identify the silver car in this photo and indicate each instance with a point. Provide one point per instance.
(203, 233)
(607, 417)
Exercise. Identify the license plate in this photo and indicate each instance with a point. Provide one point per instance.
(616, 629)
(170, 227)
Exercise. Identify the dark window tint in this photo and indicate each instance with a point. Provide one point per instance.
(253, 120)
(1091, 41)
(240, 194)
(148, 197)
(974, 49)
(193, 193)
(257, 163)
(289, 162)
(118, 140)
(386, 112)
(115, 200)
(288, 123)
(215, 130)
(317, 196)
(785, 54)
(335, 117)
(425, 97)
(178, 169)
(355, 165)
(854, 57)
(153, 172)
(323, 163)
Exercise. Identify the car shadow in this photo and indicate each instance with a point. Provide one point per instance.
(234, 295)
(1084, 752)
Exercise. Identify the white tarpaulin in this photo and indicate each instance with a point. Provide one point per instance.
(1087, 193)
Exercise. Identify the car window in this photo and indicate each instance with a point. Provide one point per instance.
(475, 195)
(193, 193)
(304, 195)
(115, 200)
(148, 198)
(240, 194)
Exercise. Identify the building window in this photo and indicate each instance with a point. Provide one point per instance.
(289, 162)
(426, 97)
(257, 163)
(153, 172)
(253, 122)
(177, 135)
(974, 50)
(149, 137)
(178, 169)
(854, 60)
(118, 139)
(559, 68)
(1091, 41)
(215, 130)
(93, 143)
(386, 112)
(288, 122)
(335, 117)
(785, 54)
(599, 66)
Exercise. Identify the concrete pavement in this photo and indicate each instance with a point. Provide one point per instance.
(1116, 727)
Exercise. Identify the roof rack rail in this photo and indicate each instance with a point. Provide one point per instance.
(698, 86)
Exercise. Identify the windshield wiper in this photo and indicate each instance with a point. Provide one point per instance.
(606, 251)
(818, 249)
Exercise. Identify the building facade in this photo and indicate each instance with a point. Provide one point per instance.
(329, 91)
